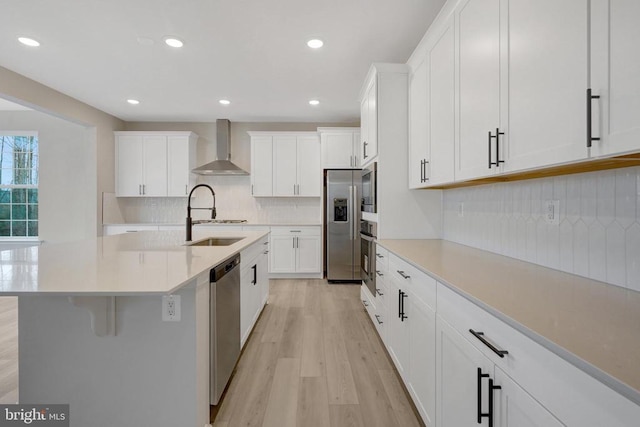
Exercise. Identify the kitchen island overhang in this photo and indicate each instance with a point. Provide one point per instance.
(143, 371)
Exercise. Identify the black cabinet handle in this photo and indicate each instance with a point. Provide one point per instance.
(425, 162)
(364, 148)
(497, 137)
(379, 293)
(489, 146)
(379, 273)
(399, 304)
(421, 170)
(379, 256)
(255, 274)
(492, 387)
(483, 340)
(479, 393)
(402, 315)
(590, 136)
(498, 133)
(378, 319)
(365, 303)
(405, 276)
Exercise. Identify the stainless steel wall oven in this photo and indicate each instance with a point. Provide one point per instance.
(368, 232)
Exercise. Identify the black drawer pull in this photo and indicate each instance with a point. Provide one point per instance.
(378, 319)
(379, 293)
(483, 340)
(406, 276)
(366, 304)
(379, 273)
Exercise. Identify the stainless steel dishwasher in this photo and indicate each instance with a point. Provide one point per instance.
(224, 320)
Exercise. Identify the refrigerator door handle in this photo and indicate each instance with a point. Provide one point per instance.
(350, 211)
(354, 225)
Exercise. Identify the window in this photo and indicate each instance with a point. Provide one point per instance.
(18, 184)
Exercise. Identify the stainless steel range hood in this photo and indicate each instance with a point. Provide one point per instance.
(222, 166)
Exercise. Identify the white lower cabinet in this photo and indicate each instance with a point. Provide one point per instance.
(463, 366)
(254, 285)
(296, 250)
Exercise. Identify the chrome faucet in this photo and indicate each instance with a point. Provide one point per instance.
(212, 209)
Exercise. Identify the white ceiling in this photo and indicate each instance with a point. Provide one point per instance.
(10, 106)
(252, 52)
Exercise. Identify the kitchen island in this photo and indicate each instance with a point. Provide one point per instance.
(91, 333)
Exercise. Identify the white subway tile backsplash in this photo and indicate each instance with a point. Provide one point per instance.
(233, 201)
(598, 235)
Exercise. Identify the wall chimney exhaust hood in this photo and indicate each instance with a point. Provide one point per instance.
(222, 166)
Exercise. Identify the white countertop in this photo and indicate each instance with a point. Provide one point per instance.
(264, 224)
(591, 324)
(147, 262)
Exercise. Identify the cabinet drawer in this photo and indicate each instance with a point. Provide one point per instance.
(382, 259)
(569, 393)
(250, 254)
(295, 231)
(413, 280)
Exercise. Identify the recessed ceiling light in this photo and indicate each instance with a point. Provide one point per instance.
(29, 42)
(173, 42)
(314, 102)
(224, 102)
(315, 43)
(133, 101)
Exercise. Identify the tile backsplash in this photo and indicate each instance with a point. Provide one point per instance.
(598, 235)
(233, 201)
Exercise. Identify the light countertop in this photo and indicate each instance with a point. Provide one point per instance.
(591, 324)
(147, 262)
(256, 223)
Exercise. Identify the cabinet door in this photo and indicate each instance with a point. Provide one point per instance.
(399, 332)
(370, 144)
(247, 301)
(418, 124)
(308, 169)
(263, 277)
(261, 166)
(457, 363)
(357, 164)
(308, 254)
(179, 166)
(441, 109)
(516, 408)
(615, 76)
(337, 150)
(364, 126)
(283, 254)
(155, 166)
(547, 80)
(479, 86)
(422, 359)
(129, 170)
(284, 165)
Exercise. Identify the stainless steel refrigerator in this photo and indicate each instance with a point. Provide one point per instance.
(342, 195)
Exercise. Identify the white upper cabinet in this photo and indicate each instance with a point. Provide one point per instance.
(308, 169)
(418, 125)
(546, 49)
(479, 107)
(340, 148)
(154, 164)
(261, 166)
(441, 88)
(181, 159)
(369, 122)
(285, 164)
(615, 76)
(285, 170)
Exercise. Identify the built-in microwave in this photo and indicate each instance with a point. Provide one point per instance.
(369, 188)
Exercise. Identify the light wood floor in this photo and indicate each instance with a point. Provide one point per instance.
(8, 350)
(314, 359)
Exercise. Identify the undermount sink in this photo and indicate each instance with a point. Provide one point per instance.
(216, 241)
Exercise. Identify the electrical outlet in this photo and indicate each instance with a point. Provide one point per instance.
(552, 212)
(171, 308)
(461, 209)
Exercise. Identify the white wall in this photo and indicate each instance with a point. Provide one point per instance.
(233, 194)
(66, 193)
(598, 235)
(100, 127)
